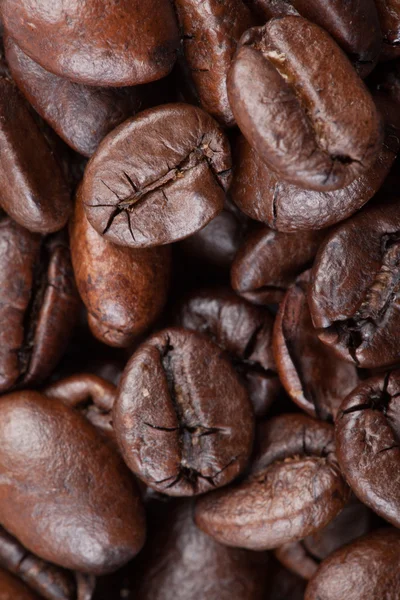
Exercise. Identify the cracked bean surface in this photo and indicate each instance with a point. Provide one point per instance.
(354, 294)
(300, 104)
(183, 420)
(158, 177)
(293, 489)
(368, 444)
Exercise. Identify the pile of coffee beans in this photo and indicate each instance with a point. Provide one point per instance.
(200, 300)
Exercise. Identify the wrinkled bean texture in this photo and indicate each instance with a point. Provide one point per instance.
(183, 420)
(158, 177)
(143, 38)
(299, 103)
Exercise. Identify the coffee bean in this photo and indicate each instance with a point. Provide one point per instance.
(135, 43)
(313, 376)
(268, 263)
(38, 304)
(305, 112)
(354, 292)
(34, 192)
(368, 443)
(244, 332)
(13, 589)
(123, 289)
(158, 178)
(389, 15)
(64, 494)
(367, 568)
(183, 421)
(211, 32)
(353, 24)
(293, 489)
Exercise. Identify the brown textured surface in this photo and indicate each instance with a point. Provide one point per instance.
(353, 24)
(368, 569)
(293, 489)
(354, 292)
(33, 190)
(313, 376)
(81, 115)
(244, 331)
(158, 177)
(303, 108)
(38, 304)
(389, 15)
(123, 289)
(183, 420)
(269, 262)
(13, 589)
(106, 43)
(211, 31)
(64, 493)
(368, 444)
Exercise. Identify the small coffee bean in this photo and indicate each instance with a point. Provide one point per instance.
(13, 589)
(389, 15)
(294, 488)
(158, 177)
(306, 112)
(183, 420)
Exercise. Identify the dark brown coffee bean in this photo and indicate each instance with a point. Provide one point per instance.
(368, 444)
(313, 376)
(305, 112)
(158, 177)
(135, 43)
(183, 421)
(180, 562)
(211, 32)
(38, 304)
(269, 262)
(51, 582)
(263, 196)
(294, 488)
(244, 331)
(13, 589)
(64, 494)
(355, 292)
(91, 395)
(368, 569)
(304, 557)
(34, 192)
(123, 289)
(353, 24)
(81, 115)
(389, 15)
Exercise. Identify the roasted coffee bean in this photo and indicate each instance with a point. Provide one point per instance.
(183, 421)
(81, 115)
(313, 376)
(158, 177)
(353, 24)
(368, 569)
(265, 197)
(389, 15)
(135, 43)
(123, 289)
(244, 331)
(304, 557)
(305, 112)
(211, 31)
(355, 292)
(38, 304)
(294, 488)
(180, 562)
(51, 582)
(91, 395)
(34, 192)
(368, 443)
(269, 262)
(13, 589)
(64, 493)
